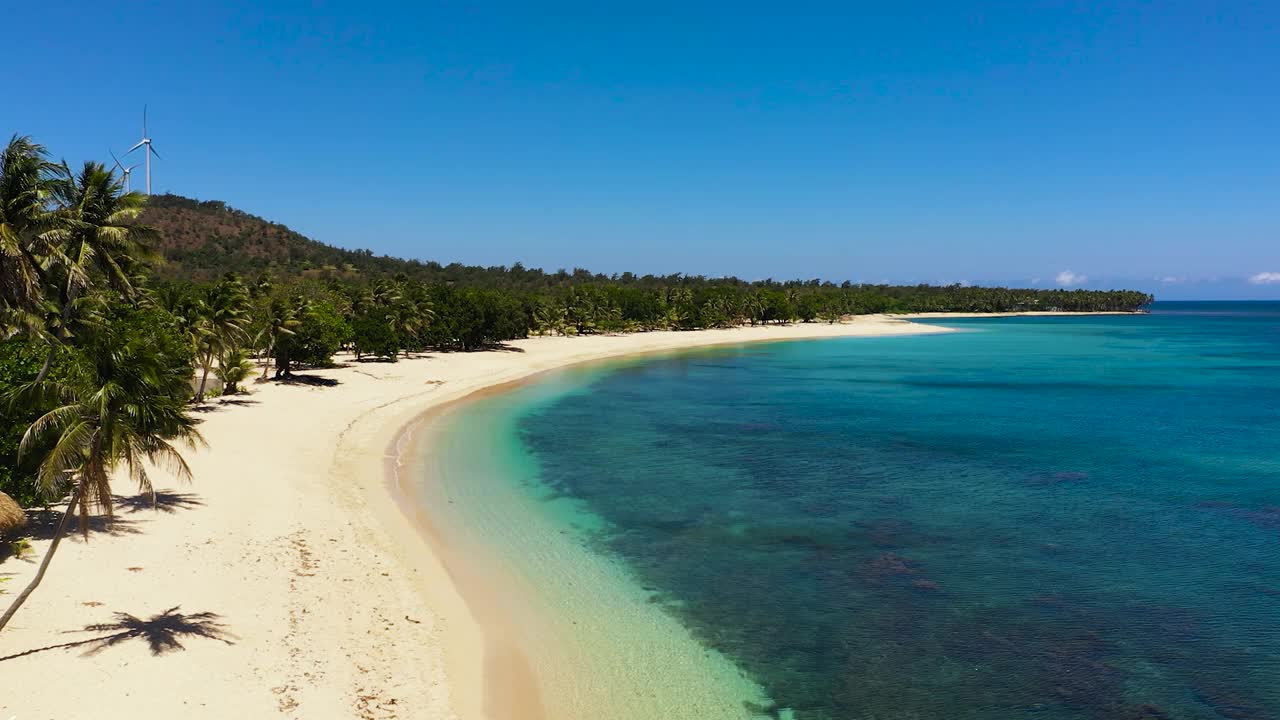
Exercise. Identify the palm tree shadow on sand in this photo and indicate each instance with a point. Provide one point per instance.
(43, 524)
(163, 633)
(165, 501)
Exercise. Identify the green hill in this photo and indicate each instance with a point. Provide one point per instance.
(202, 240)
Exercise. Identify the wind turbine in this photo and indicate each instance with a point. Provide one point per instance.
(145, 143)
(124, 171)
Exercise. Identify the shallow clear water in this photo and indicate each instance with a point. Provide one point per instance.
(1036, 517)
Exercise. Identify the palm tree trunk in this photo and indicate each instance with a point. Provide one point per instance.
(44, 564)
(266, 361)
(67, 298)
(204, 377)
(48, 363)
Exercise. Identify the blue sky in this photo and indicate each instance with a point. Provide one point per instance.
(1085, 143)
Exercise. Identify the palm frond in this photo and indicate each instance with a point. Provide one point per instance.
(67, 457)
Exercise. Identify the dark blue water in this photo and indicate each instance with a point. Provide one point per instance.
(1032, 518)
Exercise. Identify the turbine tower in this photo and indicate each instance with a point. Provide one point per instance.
(145, 143)
(124, 171)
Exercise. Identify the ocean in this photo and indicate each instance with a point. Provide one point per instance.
(1049, 518)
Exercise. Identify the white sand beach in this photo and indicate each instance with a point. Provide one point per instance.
(293, 583)
(1027, 313)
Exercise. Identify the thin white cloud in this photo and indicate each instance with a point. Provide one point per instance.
(1265, 278)
(1171, 279)
(1066, 278)
(1035, 280)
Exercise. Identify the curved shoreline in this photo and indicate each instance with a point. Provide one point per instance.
(498, 684)
(330, 600)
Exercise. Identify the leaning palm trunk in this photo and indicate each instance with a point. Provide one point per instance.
(44, 564)
(58, 338)
(54, 342)
(266, 360)
(48, 363)
(204, 378)
(206, 363)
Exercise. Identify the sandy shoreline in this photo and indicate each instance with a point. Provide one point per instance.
(1030, 313)
(301, 587)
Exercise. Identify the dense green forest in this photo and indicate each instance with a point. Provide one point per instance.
(187, 289)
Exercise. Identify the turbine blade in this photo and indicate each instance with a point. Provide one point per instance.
(135, 147)
(153, 150)
(144, 121)
(113, 157)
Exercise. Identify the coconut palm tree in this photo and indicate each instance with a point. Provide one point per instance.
(25, 187)
(414, 313)
(223, 317)
(756, 307)
(205, 341)
(280, 320)
(97, 240)
(262, 287)
(547, 317)
(130, 411)
(233, 368)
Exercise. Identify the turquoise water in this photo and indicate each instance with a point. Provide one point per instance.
(1031, 518)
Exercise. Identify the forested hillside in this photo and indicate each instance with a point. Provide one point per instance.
(203, 240)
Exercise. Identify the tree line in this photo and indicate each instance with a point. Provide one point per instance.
(101, 358)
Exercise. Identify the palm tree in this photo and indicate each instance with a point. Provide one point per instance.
(262, 286)
(223, 314)
(97, 241)
(547, 316)
(415, 313)
(407, 318)
(205, 341)
(233, 368)
(680, 308)
(281, 320)
(756, 307)
(130, 411)
(25, 186)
